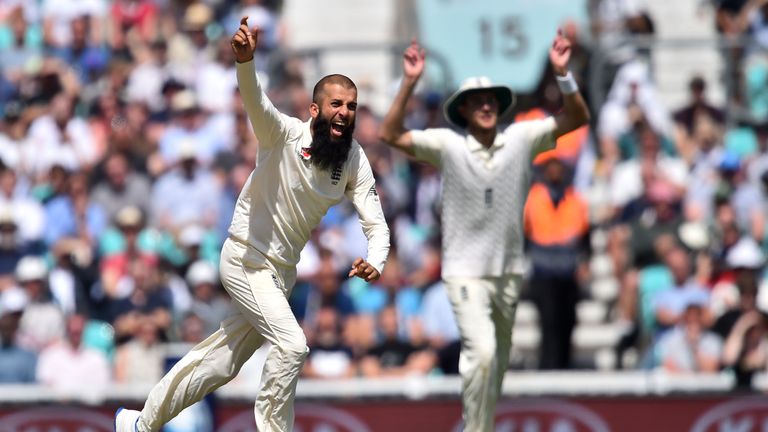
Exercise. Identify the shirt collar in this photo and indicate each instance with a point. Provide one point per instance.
(475, 146)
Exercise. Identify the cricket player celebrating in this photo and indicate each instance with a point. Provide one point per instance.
(486, 175)
(303, 169)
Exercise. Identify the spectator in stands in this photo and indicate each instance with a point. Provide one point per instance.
(87, 57)
(329, 356)
(752, 20)
(392, 356)
(71, 276)
(632, 176)
(73, 216)
(60, 138)
(12, 247)
(18, 55)
(643, 241)
(215, 87)
(105, 115)
(208, 301)
(195, 243)
(51, 184)
(704, 158)
(28, 214)
(392, 288)
(72, 369)
(556, 227)
(42, 323)
(147, 298)
(670, 304)
(393, 187)
(662, 267)
(745, 197)
(59, 14)
(326, 290)
(126, 249)
(727, 16)
(133, 19)
(612, 23)
(192, 329)
(148, 82)
(689, 347)
(738, 284)
(142, 358)
(191, 133)
(690, 116)
(122, 187)
(731, 22)
(187, 194)
(630, 142)
(17, 364)
(13, 136)
(746, 348)
(726, 235)
(632, 93)
(191, 47)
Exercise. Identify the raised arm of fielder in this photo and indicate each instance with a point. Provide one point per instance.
(392, 130)
(575, 112)
(268, 123)
(574, 115)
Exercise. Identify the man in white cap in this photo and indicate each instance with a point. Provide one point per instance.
(485, 176)
(303, 169)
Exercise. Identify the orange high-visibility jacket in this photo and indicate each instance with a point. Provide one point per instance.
(547, 225)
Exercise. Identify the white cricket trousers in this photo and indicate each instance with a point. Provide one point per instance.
(258, 290)
(485, 311)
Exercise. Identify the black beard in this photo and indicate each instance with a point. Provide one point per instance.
(326, 152)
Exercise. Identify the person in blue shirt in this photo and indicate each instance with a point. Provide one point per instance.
(17, 365)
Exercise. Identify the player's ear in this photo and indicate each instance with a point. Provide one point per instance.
(314, 110)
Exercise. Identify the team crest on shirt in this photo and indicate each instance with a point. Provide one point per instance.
(305, 153)
(336, 175)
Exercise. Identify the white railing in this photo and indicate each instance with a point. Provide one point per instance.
(516, 384)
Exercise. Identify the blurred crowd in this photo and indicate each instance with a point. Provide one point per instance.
(124, 145)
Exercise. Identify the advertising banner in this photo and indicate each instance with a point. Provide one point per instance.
(598, 414)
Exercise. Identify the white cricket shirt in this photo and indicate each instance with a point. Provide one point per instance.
(285, 196)
(484, 194)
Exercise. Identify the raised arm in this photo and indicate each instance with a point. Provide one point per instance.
(392, 129)
(268, 124)
(575, 112)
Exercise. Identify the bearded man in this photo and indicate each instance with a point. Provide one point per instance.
(303, 169)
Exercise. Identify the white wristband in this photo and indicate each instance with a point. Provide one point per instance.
(567, 84)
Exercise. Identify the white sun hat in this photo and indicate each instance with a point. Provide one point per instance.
(504, 95)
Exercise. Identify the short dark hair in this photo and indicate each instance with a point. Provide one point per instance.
(697, 83)
(342, 80)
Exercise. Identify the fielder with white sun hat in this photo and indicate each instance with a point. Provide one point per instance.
(504, 95)
(485, 174)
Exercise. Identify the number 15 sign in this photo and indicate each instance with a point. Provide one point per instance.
(506, 40)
